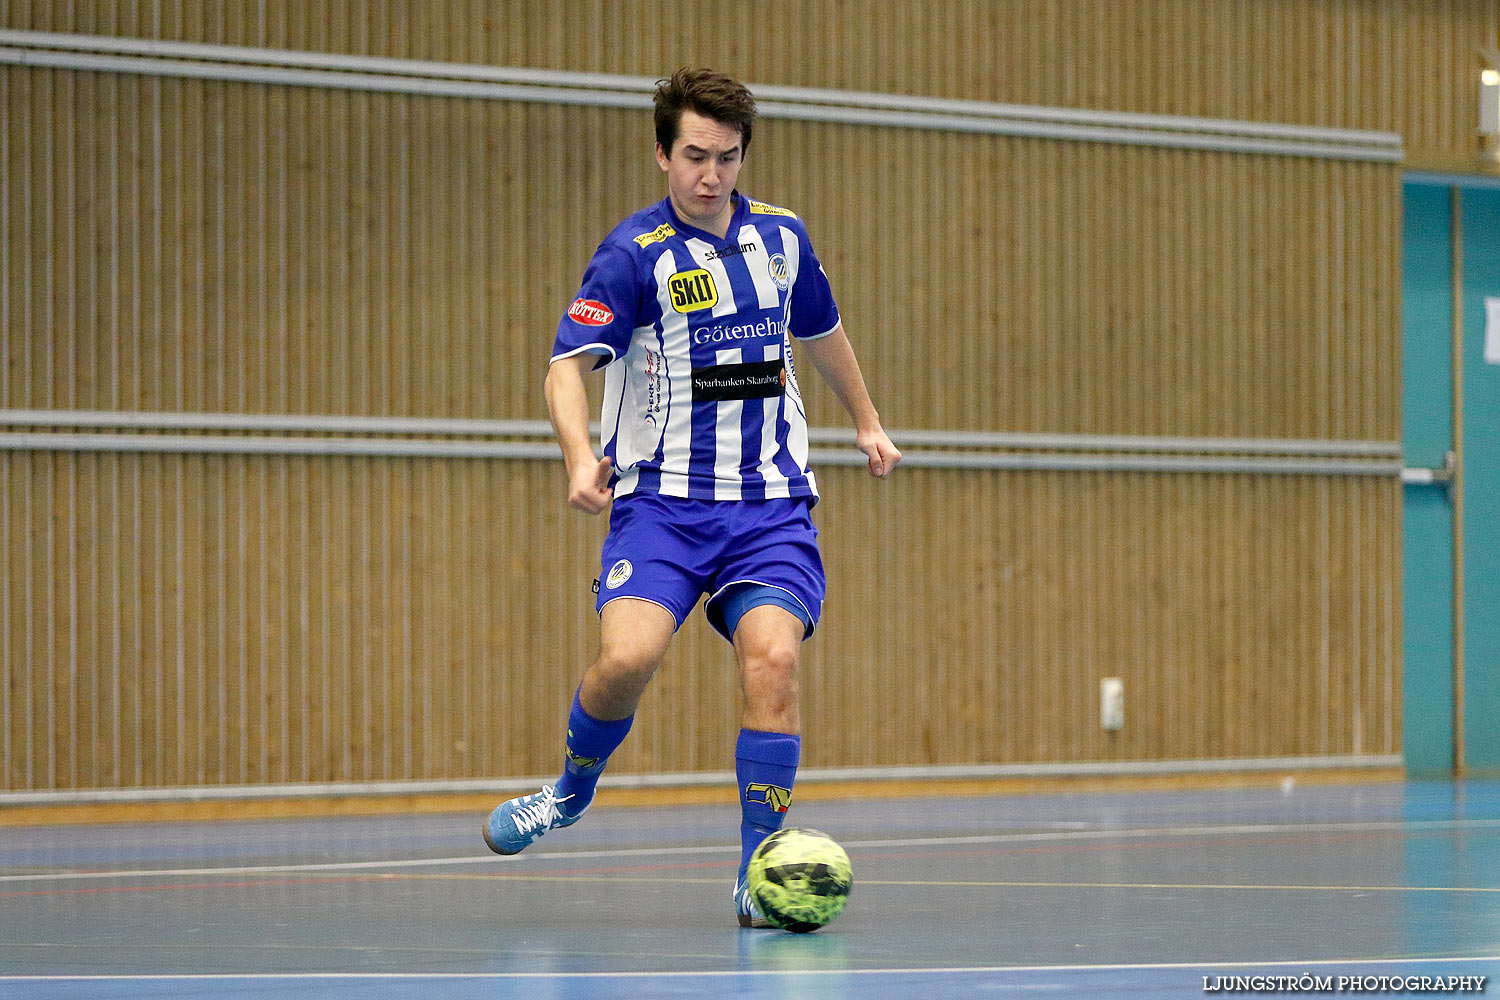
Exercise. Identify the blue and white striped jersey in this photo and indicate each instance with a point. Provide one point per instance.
(700, 395)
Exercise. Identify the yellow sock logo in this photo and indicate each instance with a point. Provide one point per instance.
(778, 798)
(583, 762)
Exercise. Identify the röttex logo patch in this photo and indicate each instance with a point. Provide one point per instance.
(590, 313)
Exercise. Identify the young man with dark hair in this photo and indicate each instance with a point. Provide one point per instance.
(691, 307)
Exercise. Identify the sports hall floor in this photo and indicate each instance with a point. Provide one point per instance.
(1098, 895)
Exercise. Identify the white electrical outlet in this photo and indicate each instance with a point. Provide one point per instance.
(1489, 101)
(1111, 703)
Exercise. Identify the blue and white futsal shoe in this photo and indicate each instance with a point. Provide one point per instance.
(744, 905)
(515, 824)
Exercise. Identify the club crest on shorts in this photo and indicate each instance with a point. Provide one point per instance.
(618, 574)
(780, 273)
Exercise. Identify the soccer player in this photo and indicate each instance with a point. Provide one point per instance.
(691, 307)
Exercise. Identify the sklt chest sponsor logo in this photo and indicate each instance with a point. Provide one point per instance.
(692, 290)
(590, 313)
(656, 235)
(778, 798)
(780, 273)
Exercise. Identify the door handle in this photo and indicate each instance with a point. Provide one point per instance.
(1442, 476)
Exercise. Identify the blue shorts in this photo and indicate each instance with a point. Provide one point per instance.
(672, 550)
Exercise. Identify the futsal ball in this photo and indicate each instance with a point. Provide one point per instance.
(800, 879)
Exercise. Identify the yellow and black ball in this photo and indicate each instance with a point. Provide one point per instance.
(800, 879)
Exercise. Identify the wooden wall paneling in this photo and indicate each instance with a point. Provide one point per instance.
(1369, 65)
(1084, 280)
(220, 246)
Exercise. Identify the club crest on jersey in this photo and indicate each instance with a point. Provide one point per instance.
(778, 798)
(656, 235)
(692, 290)
(618, 574)
(780, 273)
(590, 313)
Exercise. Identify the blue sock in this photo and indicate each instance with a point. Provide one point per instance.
(590, 742)
(765, 765)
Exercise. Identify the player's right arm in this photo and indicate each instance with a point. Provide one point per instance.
(594, 332)
(568, 406)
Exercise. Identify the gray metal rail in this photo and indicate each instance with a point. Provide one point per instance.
(689, 779)
(412, 76)
(311, 434)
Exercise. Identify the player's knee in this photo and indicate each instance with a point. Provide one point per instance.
(627, 664)
(771, 666)
(779, 657)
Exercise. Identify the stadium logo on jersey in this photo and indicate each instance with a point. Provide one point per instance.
(761, 208)
(693, 290)
(618, 574)
(656, 235)
(780, 273)
(733, 251)
(778, 798)
(590, 313)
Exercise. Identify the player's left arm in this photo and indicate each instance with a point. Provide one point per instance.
(834, 358)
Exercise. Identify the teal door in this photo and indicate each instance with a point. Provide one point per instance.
(1427, 436)
(1452, 532)
(1481, 479)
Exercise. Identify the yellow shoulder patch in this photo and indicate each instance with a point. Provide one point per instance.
(656, 235)
(761, 208)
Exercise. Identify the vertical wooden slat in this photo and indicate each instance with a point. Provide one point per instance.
(11, 756)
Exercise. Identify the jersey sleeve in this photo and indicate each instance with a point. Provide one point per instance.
(813, 311)
(602, 316)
